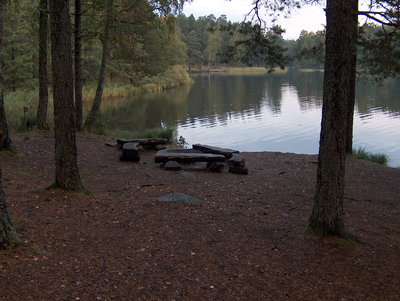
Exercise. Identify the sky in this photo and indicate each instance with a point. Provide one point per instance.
(310, 18)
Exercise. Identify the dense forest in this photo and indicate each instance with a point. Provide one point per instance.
(143, 42)
(146, 42)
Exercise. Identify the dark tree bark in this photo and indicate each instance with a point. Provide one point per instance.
(352, 73)
(78, 66)
(327, 214)
(67, 171)
(7, 231)
(43, 82)
(94, 112)
(5, 140)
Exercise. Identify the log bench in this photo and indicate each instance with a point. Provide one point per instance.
(186, 156)
(147, 143)
(228, 153)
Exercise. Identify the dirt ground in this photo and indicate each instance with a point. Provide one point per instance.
(244, 241)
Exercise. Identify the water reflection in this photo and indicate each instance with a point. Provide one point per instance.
(274, 112)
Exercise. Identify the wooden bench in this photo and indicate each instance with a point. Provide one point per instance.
(186, 156)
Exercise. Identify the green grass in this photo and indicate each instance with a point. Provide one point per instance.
(174, 76)
(362, 154)
(253, 70)
(310, 70)
(21, 107)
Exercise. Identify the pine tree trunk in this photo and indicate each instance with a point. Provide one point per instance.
(5, 140)
(94, 112)
(327, 214)
(43, 82)
(78, 67)
(352, 80)
(7, 231)
(67, 171)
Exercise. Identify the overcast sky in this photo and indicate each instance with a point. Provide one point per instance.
(311, 18)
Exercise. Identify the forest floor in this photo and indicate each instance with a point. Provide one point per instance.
(244, 241)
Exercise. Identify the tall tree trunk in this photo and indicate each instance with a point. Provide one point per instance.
(67, 171)
(327, 214)
(5, 140)
(94, 112)
(351, 100)
(7, 231)
(43, 82)
(78, 66)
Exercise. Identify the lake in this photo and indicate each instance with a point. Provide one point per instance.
(271, 112)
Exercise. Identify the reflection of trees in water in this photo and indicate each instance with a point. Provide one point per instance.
(147, 112)
(216, 99)
(309, 88)
(371, 97)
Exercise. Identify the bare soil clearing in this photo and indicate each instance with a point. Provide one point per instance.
(244, 240)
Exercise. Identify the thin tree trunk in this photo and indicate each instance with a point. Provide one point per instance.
(5, 140)
(43, 82)
(67, 171)
(352, 81)
(327, 214)
(94, 112)
(7, 232)
(78, 66)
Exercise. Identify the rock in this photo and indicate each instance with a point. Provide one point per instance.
(159, 147)
(239, 170)
(215, 166)
(172, 165)
(121, 142)
(188, 175)
(215, 150)
(237, 160)
(130, 152)
(164, 156)
(179, 198)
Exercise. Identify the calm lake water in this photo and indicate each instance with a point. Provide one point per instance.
(273, 112)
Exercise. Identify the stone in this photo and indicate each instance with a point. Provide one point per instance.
(121, 142)
(215, 166)
(165, 156)
(215, 150)
(237, 160)
(159, 147)
(130, 152)
(239, 170)
(188, 175)
(179, 198)
(172, 165)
